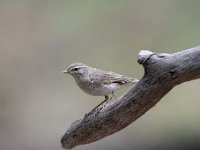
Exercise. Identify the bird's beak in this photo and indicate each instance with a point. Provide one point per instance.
(65, 71)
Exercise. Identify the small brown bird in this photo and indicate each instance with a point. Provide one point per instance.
(97, 82)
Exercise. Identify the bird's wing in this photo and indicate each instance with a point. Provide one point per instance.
(109, 77)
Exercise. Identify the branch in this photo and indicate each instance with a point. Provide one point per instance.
(162, 73)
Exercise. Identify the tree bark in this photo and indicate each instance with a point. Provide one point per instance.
(162, 73)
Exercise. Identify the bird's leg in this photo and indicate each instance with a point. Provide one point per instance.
(106, 98)
(113, 95)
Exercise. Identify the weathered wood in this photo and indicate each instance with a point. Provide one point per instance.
(162, 73)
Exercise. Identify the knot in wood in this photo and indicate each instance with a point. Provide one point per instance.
(173, 73)
(144, 55)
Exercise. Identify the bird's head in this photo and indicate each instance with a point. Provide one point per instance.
(77, 69)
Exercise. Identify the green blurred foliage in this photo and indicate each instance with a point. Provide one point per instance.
(38, 39)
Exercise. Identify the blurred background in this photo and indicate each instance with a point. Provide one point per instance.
(39, 39)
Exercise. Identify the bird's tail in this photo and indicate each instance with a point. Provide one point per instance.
(134, 80)
(128, 81)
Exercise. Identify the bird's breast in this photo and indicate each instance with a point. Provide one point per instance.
(97, 89)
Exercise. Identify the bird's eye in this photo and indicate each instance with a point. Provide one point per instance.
(76, 69)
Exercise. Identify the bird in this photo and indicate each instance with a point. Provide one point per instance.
(97, 82)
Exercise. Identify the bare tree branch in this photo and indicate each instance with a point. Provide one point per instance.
(162, 73)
